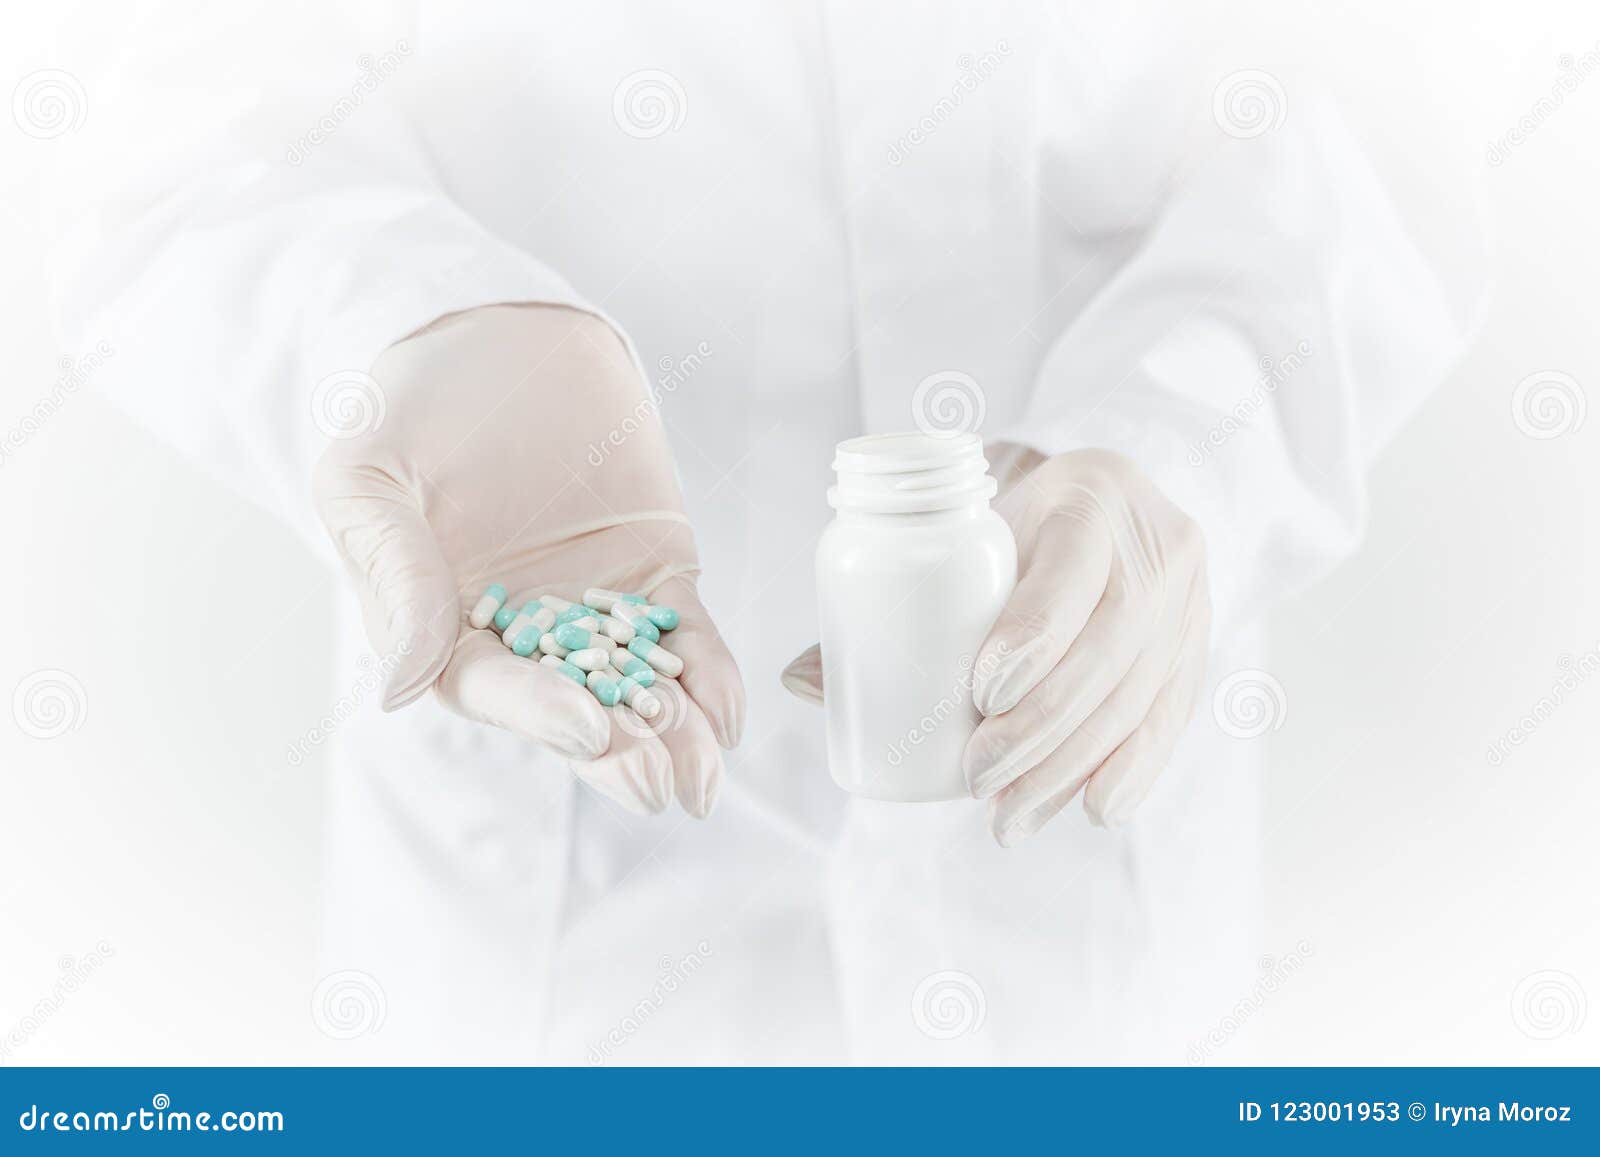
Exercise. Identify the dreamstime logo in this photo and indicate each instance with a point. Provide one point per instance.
(971, 72)
(373, 71)
(1275, 973)
(348, 404)
(75, 972)
(1571, 674)
(1248, 103)
(1249, 703)
(1549, 1004)
(47, 704)
(649, 103)
(674, 710)
(1548, 404)
(950, 1004)
(49, 104)
(957, 703)
(369, 678)
(672, 374)
(671, 976)
(948, 403)
(349, 1004)
(1571, 73)
(1244, 411)
(74, 376)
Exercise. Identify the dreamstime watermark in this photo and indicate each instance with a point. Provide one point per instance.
(949, 1004)
(958, 703)
(1572, 72)
(371, 673)
(1249, 703)
(671, 976)
(672, 710)
(948, 403)
(75, 972)
(1248, 103)
(1571, 673)
(971, 72)
(348, 1004)
(374, 70)
(1275, 973)
(48, 704)
(1548, 404)
(74, 376)
(1245, 410)
(649, 103)
(160, 1117)
(348, 404)
(1549, 1004)
(672, 374)
(49, 103)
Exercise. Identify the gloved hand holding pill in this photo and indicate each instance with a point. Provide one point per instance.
(1091, 670)
(476, 504)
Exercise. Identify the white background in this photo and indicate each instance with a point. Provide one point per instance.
(169, 826)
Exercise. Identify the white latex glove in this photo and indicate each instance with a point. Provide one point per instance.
(1093, 667)
(484, 470)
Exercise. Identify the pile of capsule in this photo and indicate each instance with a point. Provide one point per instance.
(585, 641)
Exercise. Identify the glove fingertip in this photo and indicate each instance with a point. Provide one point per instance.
(412, 678)
(802, 678)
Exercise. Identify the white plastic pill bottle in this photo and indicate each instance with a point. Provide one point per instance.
(911, 574)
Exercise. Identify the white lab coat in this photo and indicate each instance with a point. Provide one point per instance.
(846, 199)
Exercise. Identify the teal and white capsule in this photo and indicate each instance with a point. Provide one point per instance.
(633, 667)
(605, 688)
(490, 601)
(644, 704)
(603, 600)
(549, 646)
(616, 629)
(566, 669)
(531, 615)
(658, 657)
(576, 638)
(590, 658)
(555, 602)
(631, 614)
(664, 617)
(502, 617)
(526, 642)
(578, 614)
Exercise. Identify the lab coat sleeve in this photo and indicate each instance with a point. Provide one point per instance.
(235, 241)
(1274, 329)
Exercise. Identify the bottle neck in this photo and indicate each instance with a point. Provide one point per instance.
(969, 512)
(900, 476)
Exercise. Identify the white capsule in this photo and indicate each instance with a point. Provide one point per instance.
(555, 602)
(590, 658)
(603, 600)
(658, 657)
(492, 599)
(617, 629)
(548, 644)
(644, 704)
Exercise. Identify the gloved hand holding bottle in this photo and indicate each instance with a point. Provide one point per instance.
(1091, 671)
(519, 446)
